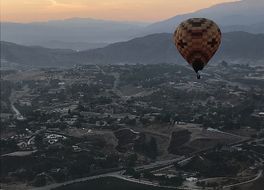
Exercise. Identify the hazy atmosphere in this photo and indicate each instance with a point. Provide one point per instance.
(124, 10)
(132, 95)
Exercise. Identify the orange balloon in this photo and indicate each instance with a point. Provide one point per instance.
(197, 40)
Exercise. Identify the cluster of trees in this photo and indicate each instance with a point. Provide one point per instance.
(148, 147)
(57, 163)
(8, 146)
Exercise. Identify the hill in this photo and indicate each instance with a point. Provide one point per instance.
(157, 48)
(237, 47)
(35, 56)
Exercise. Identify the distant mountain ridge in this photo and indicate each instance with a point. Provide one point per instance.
(35, 56)
(236, 47)
(87, 33)
(248, 14)
(157, 48)
(69, 31)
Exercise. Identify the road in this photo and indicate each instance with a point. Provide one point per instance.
(159, 164)
(118, 174)
(245, 182)
(13, 98)
(100, 69)
(56, 185)
(143, 182)
(19, 116)
(225, 133)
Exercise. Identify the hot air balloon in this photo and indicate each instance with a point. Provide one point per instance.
(197, 40)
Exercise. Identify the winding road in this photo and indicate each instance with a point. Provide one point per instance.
(245, 182)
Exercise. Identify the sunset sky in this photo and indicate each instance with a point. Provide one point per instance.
(125, 10)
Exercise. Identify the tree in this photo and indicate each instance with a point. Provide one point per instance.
(130, 171)
(131, 160)
(39, 141)
(152, 148)
(148, 175)
(40, 180)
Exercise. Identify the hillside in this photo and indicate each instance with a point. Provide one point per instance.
(238, 47)
(35, 56)
(158, 48)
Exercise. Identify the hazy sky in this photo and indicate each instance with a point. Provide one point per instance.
(136, 10)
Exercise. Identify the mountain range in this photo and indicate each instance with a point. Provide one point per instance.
(245, 15)
(236, 47)
(87, 33)
(77, 33)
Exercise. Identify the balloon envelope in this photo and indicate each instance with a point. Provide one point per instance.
(197, 40)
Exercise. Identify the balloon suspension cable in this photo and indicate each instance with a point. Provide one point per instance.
(198, 75)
